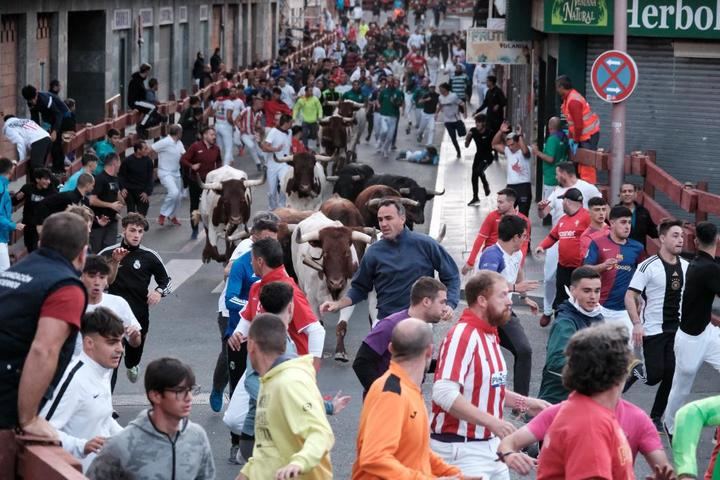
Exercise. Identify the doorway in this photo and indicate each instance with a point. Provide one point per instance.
(86, 73)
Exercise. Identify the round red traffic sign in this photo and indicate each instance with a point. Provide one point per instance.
(614, 76)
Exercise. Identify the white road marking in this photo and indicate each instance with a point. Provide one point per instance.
(188, 247)
(180, 270)
(218, 288)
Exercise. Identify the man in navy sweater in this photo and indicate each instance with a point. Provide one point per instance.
(394, 263)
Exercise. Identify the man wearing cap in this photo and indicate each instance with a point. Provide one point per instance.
(566, 233)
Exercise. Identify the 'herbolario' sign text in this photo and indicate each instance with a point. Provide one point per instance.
(649, 18)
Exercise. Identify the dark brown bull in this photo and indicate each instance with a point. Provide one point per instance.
(367, 203)
(232, 210)
(305, 182)
(289, 218)
(334, 139)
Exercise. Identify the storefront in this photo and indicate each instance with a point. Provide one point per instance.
(676, 45)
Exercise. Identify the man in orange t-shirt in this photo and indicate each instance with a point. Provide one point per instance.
(394, 436)
(585, 440)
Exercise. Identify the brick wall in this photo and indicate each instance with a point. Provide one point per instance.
(8, 64)
(42, 51)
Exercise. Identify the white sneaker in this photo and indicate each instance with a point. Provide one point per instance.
(132, 374)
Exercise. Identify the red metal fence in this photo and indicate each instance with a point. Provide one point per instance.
(693, 199)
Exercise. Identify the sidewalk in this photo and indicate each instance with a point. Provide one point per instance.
(463, 222)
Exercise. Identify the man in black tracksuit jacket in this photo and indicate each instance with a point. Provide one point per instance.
(46, 107)
(136, 266)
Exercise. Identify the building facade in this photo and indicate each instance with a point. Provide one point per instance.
(676, 46)
(94, 46)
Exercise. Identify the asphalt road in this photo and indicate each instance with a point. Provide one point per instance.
(184, 325)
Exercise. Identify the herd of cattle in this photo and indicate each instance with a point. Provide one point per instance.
(323, 235)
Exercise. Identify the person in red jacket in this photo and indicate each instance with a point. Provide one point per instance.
(274, 107)
(567, 233)
(200, 159)
(488, 234)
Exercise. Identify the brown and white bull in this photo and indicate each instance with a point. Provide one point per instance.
(225, 209)
(325, 260)
(305, 182)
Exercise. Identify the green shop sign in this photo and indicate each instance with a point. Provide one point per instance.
(647, 18)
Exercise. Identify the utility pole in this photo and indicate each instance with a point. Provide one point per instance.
(618, 109)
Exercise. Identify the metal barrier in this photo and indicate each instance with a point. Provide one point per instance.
(691, 198)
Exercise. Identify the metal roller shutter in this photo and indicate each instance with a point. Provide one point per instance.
(675, 108)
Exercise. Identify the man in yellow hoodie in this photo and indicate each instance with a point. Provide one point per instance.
(292, 435)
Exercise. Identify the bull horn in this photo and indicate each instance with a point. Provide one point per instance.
(441, 234)
(256, 182)
(373, 202)
(285, 159)
(435, 192)
(372, 231)
(361, 237)
(322, 158)
(309, 237)
(356, 178)
(404, 191)
(332, 178)
(409, 202)
(210, 186)
(291, 227)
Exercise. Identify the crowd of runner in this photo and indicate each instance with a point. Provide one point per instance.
(79, 304)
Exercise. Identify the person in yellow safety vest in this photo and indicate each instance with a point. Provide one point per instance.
(583, 123)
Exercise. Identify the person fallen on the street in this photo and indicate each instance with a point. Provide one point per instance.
(425, 156)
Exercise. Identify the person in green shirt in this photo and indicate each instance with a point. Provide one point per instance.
(390, 100)
(555, 152)
(390, 53)
(309, 110)
(422, 89)
(689, 422)
(581, 310)
(105, 147)
(329, 98)
(355, 93)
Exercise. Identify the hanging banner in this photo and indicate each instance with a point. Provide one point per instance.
(490, 46)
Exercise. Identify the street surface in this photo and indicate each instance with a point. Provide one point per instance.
(184, 325)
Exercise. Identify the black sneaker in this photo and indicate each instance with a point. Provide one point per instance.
(637, 372)
(473, 202)
(657, 421)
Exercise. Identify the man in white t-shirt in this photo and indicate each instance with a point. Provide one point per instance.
(567, 178)
(660, 280)
(287, 92)
(318, 53)
(225, 114)
(277, 144)
(448, 111)
(479, 80)
(416, 40)
(95, 278)
(169, 150)
(517, 155)
(505, 258)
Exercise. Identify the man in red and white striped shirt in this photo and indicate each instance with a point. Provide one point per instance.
(249, 124)
(469, 391)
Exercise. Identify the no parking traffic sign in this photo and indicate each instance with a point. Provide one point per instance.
(614, 76)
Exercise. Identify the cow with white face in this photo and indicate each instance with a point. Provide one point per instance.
(225, 209)
(305, 182)
(325, 260)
